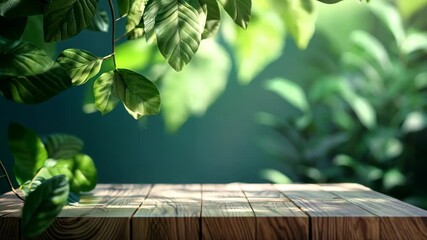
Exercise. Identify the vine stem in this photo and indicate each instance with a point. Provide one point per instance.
(10, 182)
(113, 29)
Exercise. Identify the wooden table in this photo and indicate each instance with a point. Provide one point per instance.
(228, 211)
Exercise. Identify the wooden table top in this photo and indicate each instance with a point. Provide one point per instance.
(228, 211)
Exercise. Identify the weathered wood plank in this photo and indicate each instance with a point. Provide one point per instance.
(276, 216)
(398, 220)
(169, 212)
(104, 213)
(10, 216)
(331, 217)
(226, 213)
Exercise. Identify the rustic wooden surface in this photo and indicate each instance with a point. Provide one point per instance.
(228, 211)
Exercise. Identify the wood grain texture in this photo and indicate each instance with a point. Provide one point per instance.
(398, 220)
(226, 213)
(104, 213)
(331, 217)
(169, 212)
(276, 216)
(10, 216)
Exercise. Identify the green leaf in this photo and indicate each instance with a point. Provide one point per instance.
(28, 151)
(22, 59)
(416, 41)
(393, 178)
(137, 32)
(299, 22)
(35, 88)
(80, 64)
(238, 10)
(213, 18)
(178, 29)
(193, 90)
(43, 205)
(29, 186)
(135, 14)
(329, 1)
(20, 8)
(275, 176)
(64, 19)
(390, 18)
(100, 21)
(137, 93)
(124, 6)
(85, 174)
(34, 33)
(105, 92)
(12, 28)
(251, 59)
(290, 92)
(63, 146)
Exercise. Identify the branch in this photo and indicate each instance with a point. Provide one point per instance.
(10, 182)
(113, 29)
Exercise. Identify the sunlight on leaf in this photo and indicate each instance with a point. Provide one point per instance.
(135, 14)
(238, 10)
(63, 145)
(275, 176)
(85, 174)
(414, 122)
(100, 21)
(290, 92)
(80, 64)
(390, 17)
(193, 90)
(416, 41)
(105, 92)
(213, 17)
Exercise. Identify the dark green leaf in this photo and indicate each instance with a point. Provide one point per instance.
(239, 11)
(28, 151)
(124, 6)
(178, 29)
(105, 92)
(34, 33)
(80, 64)
(64, 18)
(12, 28)
(212, 19)
(20, 8)
(137, 93)
(100, 21)
(63, 146)
(22, 59)
(35, 88)
(85, 174)
(43, 205)
(32, 184)
(135, 14)
(329, 1)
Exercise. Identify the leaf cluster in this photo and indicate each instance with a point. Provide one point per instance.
(50, 174)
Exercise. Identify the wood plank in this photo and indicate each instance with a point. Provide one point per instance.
(398, 220)
(10, 215)
(331, 217)
(276, 216)
(226, 213)
(104, 213)
(169, 212)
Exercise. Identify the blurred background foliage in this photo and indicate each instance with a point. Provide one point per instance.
(310, 92)
(360, 115)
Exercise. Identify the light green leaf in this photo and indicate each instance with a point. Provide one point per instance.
(149, 19)
(63, 146)
(137, 32)
(415, 41)
(12, 28)
(64, 19)
(27, 150)
(135, 14)
(363, 110)
(393, 178)
(22, 58)
(178, 30)
(100, 21)
(414, 122)
(105, 92)
(373, 47)
(290, 92)
(20, 8)
(80, 64)
(390, 18)
(299, 22)
(42, 175)
(35, 88)
(137, 92)
(213, 18)
(275, 176)
(238, 10)
(251, 59)
(85, 174)
(193, 90)
(43, 205)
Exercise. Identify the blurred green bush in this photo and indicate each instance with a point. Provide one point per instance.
(362, 115)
